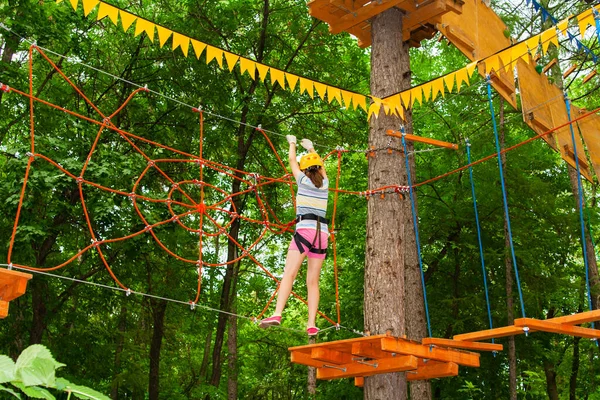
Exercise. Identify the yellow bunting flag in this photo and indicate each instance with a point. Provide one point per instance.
(334, 93)
(232, 59)
(106, 10)
(549, 36)
(74, 4)
(405, 96)
(214, 53)
(247, 65)
(347, 97)
(533, 43)
(585, 19)
(416, 94)
(492, 63)
(426, 91)
(506, 59)
(163, 35)
(374, 108)
(145, 26)
(88, 6)
(449, 81)
(307, 85)
(292, 80)
(359, 101)
(519, 51)
(262, 71)
(126, 19)
(198, 47)
(182, 41)
(277, 76)
(563, 25)
(461, 76)
(393, 104)
(321, 89)
(471, 68)
(59, 1)
(438, 87)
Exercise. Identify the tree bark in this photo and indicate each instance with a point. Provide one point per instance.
(114, 392)
(387, 218)
(574, 370)
(312, 375)
(232, 377)
(551, 387)
(158, 308)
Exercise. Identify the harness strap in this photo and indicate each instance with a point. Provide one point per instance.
(311, 217)
(302, 242)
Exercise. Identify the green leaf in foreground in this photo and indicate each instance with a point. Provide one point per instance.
(7, 369)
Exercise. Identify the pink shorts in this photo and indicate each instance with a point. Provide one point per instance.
(309, 235)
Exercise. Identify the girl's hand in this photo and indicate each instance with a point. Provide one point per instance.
(291, 139)
(307, 144)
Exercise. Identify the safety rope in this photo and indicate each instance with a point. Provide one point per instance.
(416, 228)
(504, 197)
(481, 256)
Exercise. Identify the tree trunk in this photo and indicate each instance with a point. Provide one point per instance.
(551, 387)
(312, 375)
(39, 298)
(574, 370)
(114, 392)
(158, 308)
(387, 219)
(232, 377)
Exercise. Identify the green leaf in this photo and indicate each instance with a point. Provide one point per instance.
(34, 391)
(7, 369)
(36, 366)
(85, 393)
(5, 389)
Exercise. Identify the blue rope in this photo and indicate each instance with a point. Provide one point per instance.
(414, 217)
(487, 298)
(580, 203)
(509, 229)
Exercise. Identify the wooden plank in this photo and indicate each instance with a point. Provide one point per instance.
(461, 344)
(589, 76)
(330, 356)
(402, 346)
(12, 284)
(434, 370)
(489, 334)
(552, 327)
(383, 366)
(3, 309)
(371, 350)
(422, 139)
(423, 14)
(359, 381)
(298, 357)
(308, 347)
(362, 14)
(571, 69)
(549, 65)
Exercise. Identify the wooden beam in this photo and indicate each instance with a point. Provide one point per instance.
(549, 65)
(552, 327)
(3, 309)
(489, 334)
(589, 76)
(422, 139)
(298, 357)
(423, 14)
(383, 366)
(362, 14)
(576, 319)
(461, 344)
(369, 350)
(571, 69)
(12, 284)
(401, 346)
(435, 370)
(308, 347)
(330, 356)
(359, 381)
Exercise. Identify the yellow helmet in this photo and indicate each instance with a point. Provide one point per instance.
(309, 160)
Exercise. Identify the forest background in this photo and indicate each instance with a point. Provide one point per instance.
(140, 347)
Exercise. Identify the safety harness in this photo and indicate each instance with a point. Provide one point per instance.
(301, 241)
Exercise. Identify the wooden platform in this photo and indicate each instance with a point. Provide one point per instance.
(353, 16)
(12, 285)
(383, 354)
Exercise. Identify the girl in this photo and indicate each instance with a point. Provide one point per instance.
(310, 238)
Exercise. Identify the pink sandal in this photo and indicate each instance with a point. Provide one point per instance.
(312, 331)
(271, 321)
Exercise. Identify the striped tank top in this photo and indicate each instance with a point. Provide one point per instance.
(311, 200)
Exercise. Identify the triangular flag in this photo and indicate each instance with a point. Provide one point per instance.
(347, 97)
(232, 59)
(198, 47)
(106, 10)
(291, 80)
(584, 21)
(359, 101)
(59, 1)
(405, 96)
(74, 4)
(533, 43)
(262, 71)
(563, 25)
(145, 26)
(163, 35)
(461, 76)
(321, 89)
(471, 68)
(492, 63)
(307, 85)
(437, 86)
(249, 66)
(549, 36)
(334, 93)
(519, 51)
(416, 94)
(126, 19)
(401, 113)
(278, 76)
(394, 104)
(506, 59)
(214, 53)
(373, 110)
(449, 81)
(182, 41)
(88, 6)
(426, 91)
